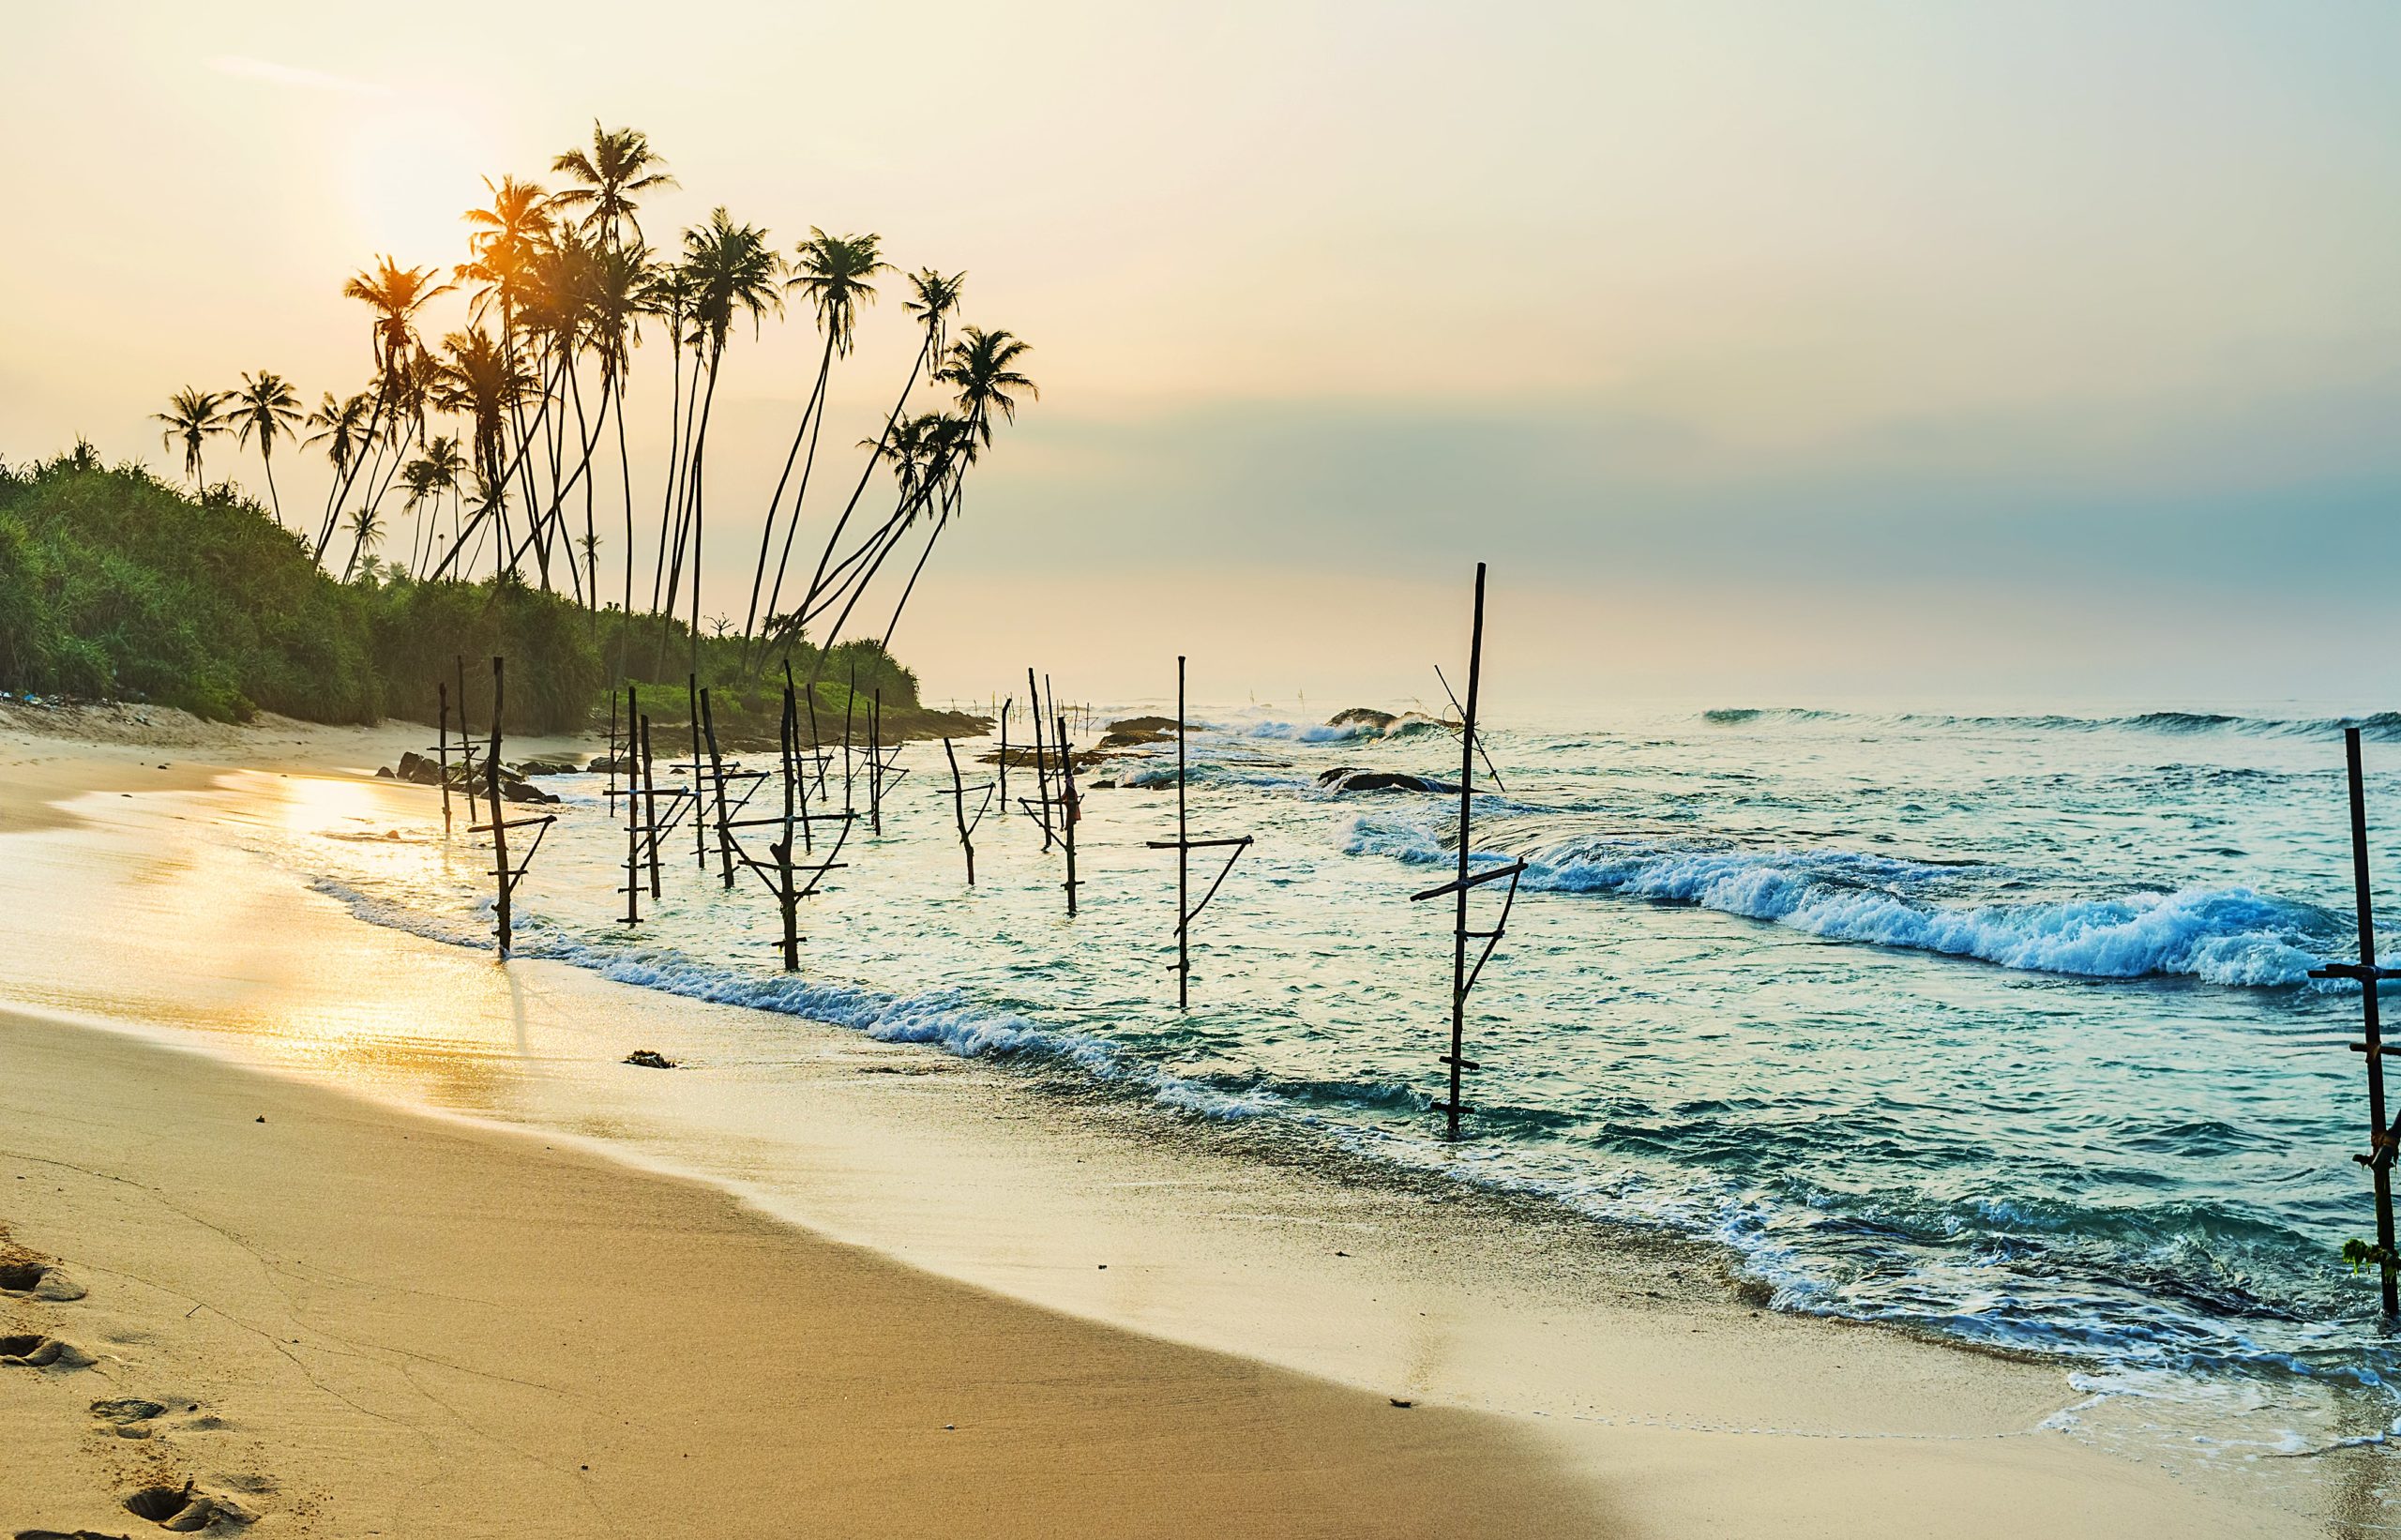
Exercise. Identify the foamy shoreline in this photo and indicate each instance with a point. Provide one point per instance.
(1688, 1413)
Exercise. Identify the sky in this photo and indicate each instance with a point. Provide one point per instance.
(1770, 352)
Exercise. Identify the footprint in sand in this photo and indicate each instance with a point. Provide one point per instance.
(127, 1418)
(187, 1509)
(26, 1351)
(36, 1277)
(69, 1534)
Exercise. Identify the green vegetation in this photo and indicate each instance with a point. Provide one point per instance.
(114, 584)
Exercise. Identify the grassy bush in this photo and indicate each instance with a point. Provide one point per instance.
(115, 585)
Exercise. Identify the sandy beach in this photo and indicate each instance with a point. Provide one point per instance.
(392, 1244)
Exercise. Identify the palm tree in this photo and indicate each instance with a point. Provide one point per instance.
(191, 416)
(620, 278)
(932, 299)
(393, 294)
(619, 164)
(834, 270)
(366, 528)
(484, 383)
(266, 405)
(981, 366)
(344, 428)
(503, 243)
(732, 270)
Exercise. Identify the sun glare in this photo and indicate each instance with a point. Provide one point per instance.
(412, 170)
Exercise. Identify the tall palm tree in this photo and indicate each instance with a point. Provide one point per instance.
(620, 164)
(834, 271)
(982, 367)
(266, 405)
(932, 299)
(343, 427)
(620, 277)
(733, 270)
(503, 243)
(190, 416)
(393, 296)
(482, 382)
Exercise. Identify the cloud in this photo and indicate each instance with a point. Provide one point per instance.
(285, 74)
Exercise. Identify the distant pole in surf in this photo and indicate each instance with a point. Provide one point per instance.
(717, 779)
(1069, 812)
(1041, 774)
(699, 822)
(875, 762)
(2384, 1138)
(650, 808)
(505, 876)
(442, 746)
(633, 808)
(612, 761)
(1184, 845)
(787, 894)
(1463, 978)
(1005, 758)
(967, 826)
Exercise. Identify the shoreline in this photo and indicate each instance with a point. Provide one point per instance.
(1697, 1414)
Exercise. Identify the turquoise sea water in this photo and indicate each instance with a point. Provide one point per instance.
(1996, 1027)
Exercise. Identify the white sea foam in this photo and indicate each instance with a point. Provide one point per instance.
(2231, 936)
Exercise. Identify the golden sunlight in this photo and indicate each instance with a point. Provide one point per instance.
(413, 167)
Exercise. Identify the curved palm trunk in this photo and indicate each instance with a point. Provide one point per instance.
(266, 457)
(815, 409)
(817, 578)
(694, 508)
(625, 474)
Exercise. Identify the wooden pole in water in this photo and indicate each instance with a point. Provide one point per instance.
(650, 807)
(1004, 761)
(2382, 1136)
(1183, 859)
(717, 775)
(633, 809)
(959, 795)
(499, 823)
(1041, 775)
(1467, 797)
(1069, 812)
(442, 747)
(875, 762)
(849, 699)
(700, 823)
(787, 894)
(612, 746)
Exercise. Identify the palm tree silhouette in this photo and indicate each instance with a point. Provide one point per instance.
(366, 528)
(191, 416)
(732, 270)
(393, 296)
(344, 428)
(266, 405)
(619, 164)
(484, 383)
(834, 270)
(933, 298)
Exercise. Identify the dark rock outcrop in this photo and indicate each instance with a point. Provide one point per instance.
(1347, 778)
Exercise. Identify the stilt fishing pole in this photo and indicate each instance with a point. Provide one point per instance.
(1184, 845)
(2384, 1138)
(967, 826)
(505, 876)
(1463, 978)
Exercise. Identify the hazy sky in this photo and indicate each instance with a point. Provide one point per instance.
(1768, 352)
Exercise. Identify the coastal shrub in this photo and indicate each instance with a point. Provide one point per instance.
(114, 584)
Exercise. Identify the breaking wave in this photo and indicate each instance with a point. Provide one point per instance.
(2382, 727)
(2231, 936)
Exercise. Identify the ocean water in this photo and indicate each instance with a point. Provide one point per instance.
(1988, 1026)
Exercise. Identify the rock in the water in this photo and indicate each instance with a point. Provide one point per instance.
(1346, 778)
(1134, 731)
(1367, 717)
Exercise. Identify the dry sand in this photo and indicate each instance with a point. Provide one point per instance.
(355, 1319)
